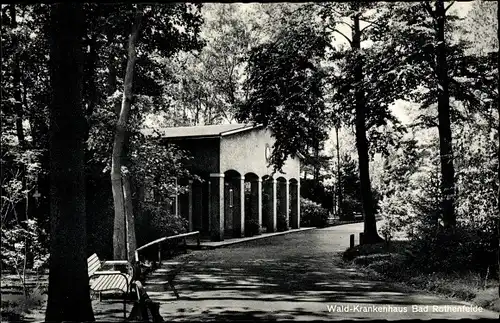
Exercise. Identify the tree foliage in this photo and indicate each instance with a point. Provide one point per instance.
(299, 69)
(285, 86)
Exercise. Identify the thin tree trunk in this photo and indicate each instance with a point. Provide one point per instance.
(498, 148)
(130, 237)
(197, 114)
(129, 205)
(316, 165)
(18, 107)
(68, 292)
(445, 138)
(130, 219)
(339, 184)
(119, 230)
(17, 81)
(370, 224)
(119, 238)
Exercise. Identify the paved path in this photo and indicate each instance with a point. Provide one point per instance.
(292, 277)
(207, 244)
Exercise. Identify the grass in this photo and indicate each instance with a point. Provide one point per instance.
(390, 262)
(16, 305)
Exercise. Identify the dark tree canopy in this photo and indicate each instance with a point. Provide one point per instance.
(286, 91)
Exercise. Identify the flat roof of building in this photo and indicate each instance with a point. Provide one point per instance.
(200, 131)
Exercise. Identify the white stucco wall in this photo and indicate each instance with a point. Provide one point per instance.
(245, 152)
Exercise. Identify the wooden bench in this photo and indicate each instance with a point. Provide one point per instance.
(111, 280)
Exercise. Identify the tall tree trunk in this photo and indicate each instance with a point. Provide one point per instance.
(498, 148)
(130, 219)
(316, 164)
(445, 138)
(370, 224)
(22, 208)
(68, 293)
(119, 230)
(197, 114)
(126, 192)
(17, 81)
(129, 205)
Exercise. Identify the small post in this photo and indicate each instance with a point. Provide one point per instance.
(159, 254)
(185, 245)
(351, 242)
(361, 238)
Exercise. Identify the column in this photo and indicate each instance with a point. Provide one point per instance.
(259, 204)
(294, 205)
(255, 216)
(271, 205)
(239, 207)
(177, 207)
(228, 209)
(274, 207)
(207, 218)
(284, 204)
(190, 205)
(298, 203)
(287, 203)
(216, 206)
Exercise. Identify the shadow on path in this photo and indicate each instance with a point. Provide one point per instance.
(292, 277)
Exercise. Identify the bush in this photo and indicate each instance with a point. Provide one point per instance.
(439, 250)
(252, 227)
(412, 204)
(282, 223)
(312, 214)
(156, 222)
(22, 249)
(17, 306)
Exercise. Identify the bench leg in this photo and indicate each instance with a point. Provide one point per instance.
(171, 283)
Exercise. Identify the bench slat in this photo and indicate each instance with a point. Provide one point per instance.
(110, 282)
(93, 268)
(101, 281)
(93, 264)
(96, 285)
(120, 282)
(122, 285)
(92, 258)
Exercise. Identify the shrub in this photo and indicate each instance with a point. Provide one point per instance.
(312, 214)
(22, 249)
(156, 222)
(17, 306)
(412, 204)
(251, 227)
(440, 250)
(282, 223)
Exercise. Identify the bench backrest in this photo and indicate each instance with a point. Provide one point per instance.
(94, 264)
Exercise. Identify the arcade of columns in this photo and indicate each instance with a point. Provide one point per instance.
(269, 199)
